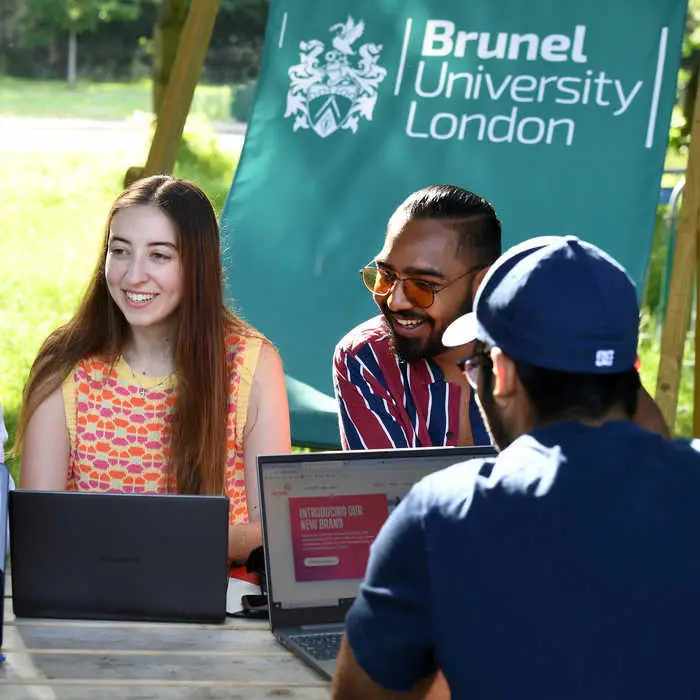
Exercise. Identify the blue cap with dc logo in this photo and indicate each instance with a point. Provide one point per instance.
(558, 303)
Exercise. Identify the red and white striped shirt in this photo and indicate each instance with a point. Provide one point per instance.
(385, 402)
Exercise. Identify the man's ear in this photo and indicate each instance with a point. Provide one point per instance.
(504, 374)
(476, 280)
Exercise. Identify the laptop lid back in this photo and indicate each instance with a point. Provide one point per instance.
(321, 511)
(119, 556)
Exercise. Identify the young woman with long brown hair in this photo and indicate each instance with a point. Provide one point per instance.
(154, 385)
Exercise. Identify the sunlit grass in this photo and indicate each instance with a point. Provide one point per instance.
(88, 100)
(52, 209)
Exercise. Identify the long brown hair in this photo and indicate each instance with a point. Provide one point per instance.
(198, 431)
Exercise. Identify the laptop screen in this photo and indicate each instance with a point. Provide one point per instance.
(322, 511)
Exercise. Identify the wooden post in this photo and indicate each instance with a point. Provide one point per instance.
(172, 15)
(681, 289)
(695, 183)
(177, 99)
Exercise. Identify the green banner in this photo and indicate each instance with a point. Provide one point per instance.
(556, 111)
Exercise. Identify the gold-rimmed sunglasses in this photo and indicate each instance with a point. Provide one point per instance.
(419, 292)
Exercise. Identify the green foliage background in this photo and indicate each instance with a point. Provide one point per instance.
(116, 39)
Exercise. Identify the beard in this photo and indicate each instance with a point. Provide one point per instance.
(414, 349)
(501, 436)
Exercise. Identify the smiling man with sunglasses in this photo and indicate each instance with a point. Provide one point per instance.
(396, 383)
(567, 567)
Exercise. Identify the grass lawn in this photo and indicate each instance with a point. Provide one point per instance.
(50, 228)
(44, 98)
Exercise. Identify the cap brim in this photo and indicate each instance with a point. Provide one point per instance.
(460, 331)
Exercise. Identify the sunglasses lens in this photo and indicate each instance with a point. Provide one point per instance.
(418, 294)
(376, 281)
(469, 366)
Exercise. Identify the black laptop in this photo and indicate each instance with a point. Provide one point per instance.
(320, 513)
(119, 556)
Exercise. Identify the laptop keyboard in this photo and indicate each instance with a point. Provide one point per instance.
(321, 645)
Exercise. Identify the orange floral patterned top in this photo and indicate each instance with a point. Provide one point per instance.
(118, 426)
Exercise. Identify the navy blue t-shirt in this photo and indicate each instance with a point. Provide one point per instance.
(566, 569)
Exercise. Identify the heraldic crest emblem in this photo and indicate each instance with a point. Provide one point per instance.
(332, 89)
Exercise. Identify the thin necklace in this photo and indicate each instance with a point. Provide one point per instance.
(143, 390)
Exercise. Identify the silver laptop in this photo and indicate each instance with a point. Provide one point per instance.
(119, 556)
(321, 511)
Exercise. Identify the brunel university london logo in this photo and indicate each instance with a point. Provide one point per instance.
(333, 89)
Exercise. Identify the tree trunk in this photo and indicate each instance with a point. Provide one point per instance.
(54, 51)
(166, 37)
(72, 56)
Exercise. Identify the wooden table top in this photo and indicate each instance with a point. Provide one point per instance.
(82, 660)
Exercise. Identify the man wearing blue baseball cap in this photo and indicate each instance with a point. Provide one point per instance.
(568, 566)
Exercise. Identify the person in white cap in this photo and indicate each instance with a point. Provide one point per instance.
(566, 567)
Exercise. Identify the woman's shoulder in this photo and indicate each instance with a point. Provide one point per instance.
(268, 355)
(249, 351)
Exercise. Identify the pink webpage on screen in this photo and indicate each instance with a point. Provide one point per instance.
(331, 535)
